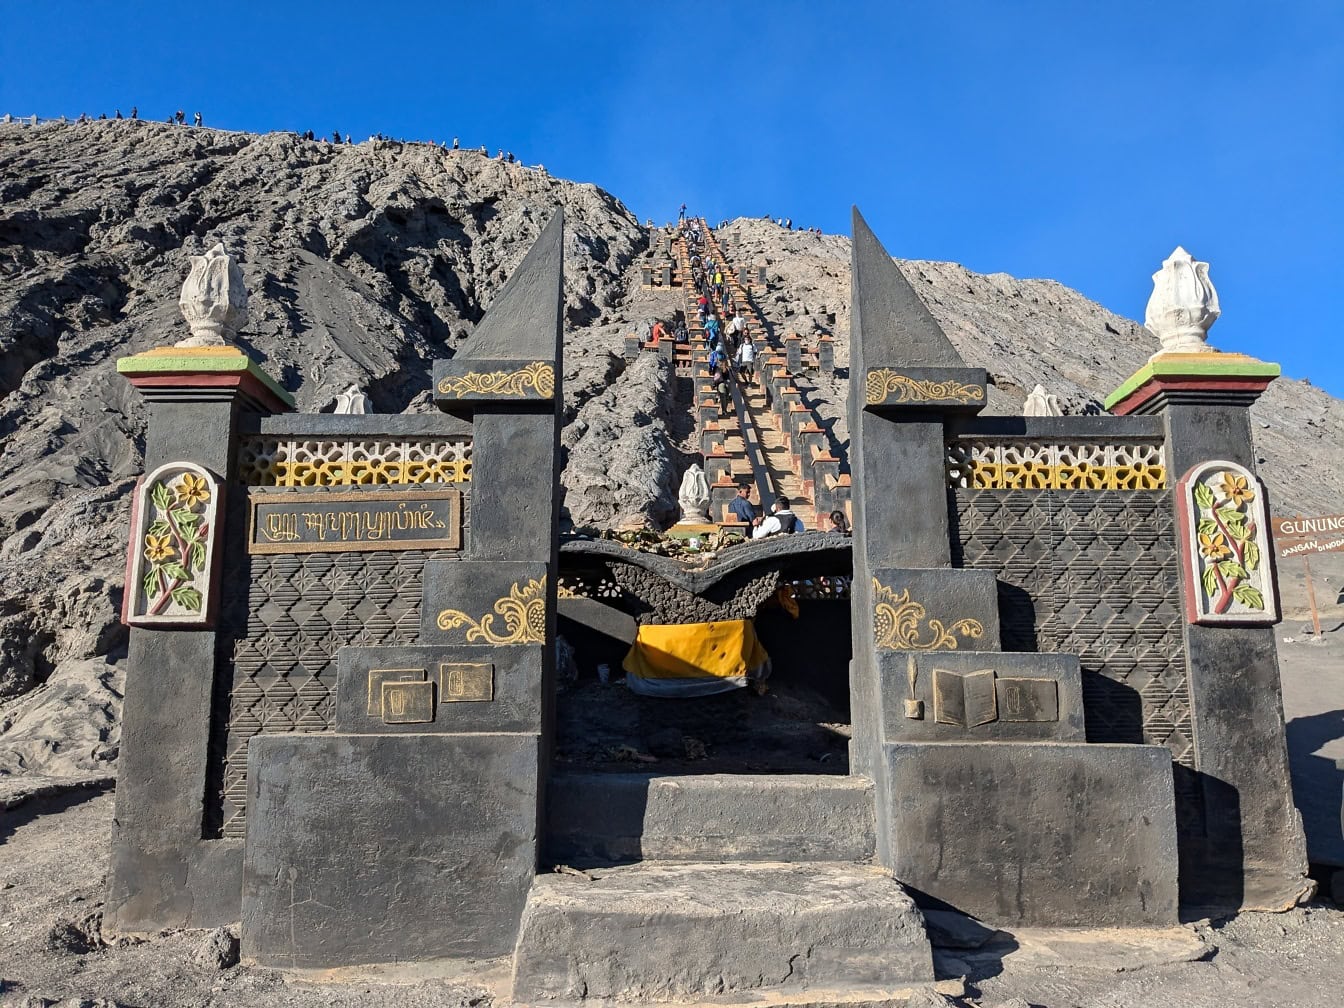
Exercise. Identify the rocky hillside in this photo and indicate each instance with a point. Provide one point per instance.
(1036, 331)
(365, 263)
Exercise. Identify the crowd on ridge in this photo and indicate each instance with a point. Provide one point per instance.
(180, 118)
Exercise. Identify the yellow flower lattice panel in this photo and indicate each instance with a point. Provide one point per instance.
(1018, 464)
(300, 462)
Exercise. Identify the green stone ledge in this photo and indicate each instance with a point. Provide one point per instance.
(185, 363)
(1211, 365)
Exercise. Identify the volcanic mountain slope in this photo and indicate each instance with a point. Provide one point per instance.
(365, 263)
(1026, 332)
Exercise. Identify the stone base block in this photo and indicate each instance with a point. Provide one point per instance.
(1049, 834)
(609, 818)
(668, 932)
(366, 849)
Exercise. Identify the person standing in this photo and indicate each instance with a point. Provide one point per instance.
(741, 505)
(135, 112)
(198, 119)
(723, 384)
(746, 361)
(681, 214)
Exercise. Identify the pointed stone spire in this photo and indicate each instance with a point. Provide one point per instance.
(514, 354)
(524, 319)
(891, 325)
(899, 355)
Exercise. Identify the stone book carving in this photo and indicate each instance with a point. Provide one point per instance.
(964, 699)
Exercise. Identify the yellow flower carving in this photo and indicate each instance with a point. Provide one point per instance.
(1235, 488)
(158, 548)
(192, 490)
(1213, 546)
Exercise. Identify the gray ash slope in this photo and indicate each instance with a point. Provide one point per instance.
(365, 263)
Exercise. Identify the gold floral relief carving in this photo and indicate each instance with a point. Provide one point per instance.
(900, 624)
(538, 376)
(881, 382)
(523, 611)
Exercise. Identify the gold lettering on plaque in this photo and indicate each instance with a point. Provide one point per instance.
(463, 681)
(385, 675)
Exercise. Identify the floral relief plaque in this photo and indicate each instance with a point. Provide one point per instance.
(171, 562)
(1226, 573)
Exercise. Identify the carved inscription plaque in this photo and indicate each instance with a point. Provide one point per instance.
(408, 702)
(964, 699)
(1027, 699)
(386, 675)
(461, 681)
(347, 522)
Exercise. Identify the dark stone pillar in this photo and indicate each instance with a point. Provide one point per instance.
(1250, 853)
(826, 355)
(793, 351)
(163, 872)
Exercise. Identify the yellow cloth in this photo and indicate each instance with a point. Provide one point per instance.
(726, 649)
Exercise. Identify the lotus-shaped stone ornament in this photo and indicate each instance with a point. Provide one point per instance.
(214, 299)
(1183, 304)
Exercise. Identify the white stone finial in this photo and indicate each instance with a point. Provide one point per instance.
(214, 299)
(352, 400)
(694, 496)
(1042, 403)
(1183, 305)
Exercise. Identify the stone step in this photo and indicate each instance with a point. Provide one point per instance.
(614, 818)
(663, 932)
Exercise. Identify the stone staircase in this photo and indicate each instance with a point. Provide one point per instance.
(772, 439)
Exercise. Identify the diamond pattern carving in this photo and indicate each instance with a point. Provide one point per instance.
(1092, 573)
(284, 617)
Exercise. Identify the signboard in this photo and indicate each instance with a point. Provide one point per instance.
(1300, 536)
(351, 522)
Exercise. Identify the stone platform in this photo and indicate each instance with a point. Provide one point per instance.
(662, 932)
(597, 819)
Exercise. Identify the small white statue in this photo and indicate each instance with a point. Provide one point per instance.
(1183, 305)
(694, 496)
(1042, 403)
(214, 299)
(352, 400)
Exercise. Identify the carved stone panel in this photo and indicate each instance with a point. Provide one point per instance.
(1096, 574)
(1227, 576)
(171, 567)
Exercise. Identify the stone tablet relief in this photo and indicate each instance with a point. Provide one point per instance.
(377, 677)
(408, 702)
(466, 681)
(356, 521)
(964, 699)
(171, 564)
(1022, 699)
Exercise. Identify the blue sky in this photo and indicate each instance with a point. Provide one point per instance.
(1073, 140)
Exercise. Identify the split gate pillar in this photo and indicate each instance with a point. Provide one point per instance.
(413, 831)
(988, 797)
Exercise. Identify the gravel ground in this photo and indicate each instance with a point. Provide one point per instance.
(53, 861)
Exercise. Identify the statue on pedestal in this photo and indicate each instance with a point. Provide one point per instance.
(694, 497)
